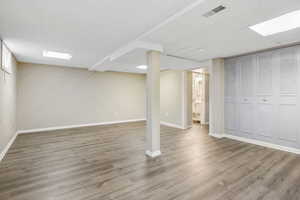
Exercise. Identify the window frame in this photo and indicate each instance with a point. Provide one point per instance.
(6, 58)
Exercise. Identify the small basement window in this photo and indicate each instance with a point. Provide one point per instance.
(6, 59)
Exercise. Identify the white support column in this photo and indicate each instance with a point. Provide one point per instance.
(216, 98)
(153, 104)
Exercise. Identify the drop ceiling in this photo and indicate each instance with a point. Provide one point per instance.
(226, 33)
(91, 29)
(87, 29)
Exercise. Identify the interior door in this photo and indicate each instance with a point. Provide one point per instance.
(246, 101)
(288, 122)
(230, 95)
(265, 98)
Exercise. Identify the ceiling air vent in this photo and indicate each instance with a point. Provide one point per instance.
(214, 11)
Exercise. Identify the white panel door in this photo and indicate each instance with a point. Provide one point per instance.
(230, 95)
(287, 114)
(246, 93)
(264, 118)
(265, 102)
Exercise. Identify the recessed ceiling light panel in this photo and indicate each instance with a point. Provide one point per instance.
(143, 67)
(59, 55)
(279, 24)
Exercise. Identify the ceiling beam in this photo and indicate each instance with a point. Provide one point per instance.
(137, 42)
(135, 45)
(99, 64)
(173, 17)
(125, 50)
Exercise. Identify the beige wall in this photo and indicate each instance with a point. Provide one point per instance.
(174, 84)
(8, 125)
(51, 96)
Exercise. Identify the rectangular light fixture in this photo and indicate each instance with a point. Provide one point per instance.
(143, 67)
(279, 24)
(53, 54)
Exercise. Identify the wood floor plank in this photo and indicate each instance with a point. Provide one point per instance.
(108, 162)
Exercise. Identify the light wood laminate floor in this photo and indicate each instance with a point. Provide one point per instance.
(108, 162)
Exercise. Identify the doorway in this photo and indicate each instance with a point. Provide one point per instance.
(200, 96)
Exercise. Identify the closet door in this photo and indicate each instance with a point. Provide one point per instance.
(264, 118)
(246, 100)
(230, 95)
(287, 111)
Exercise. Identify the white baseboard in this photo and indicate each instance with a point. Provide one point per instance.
(90, 124)
(256, 142)
(76, 126)
(5, 150)
(217, 135)
(171, 125)
(190, 126)
(264, 144)
(153, 154)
